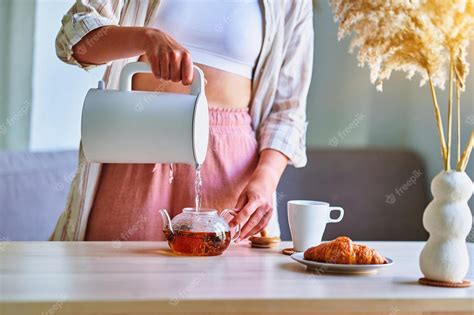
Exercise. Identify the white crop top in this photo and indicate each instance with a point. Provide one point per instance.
(223, 34)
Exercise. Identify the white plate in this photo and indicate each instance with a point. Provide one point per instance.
(339, 268)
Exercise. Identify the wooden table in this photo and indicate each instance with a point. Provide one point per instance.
(145, 278)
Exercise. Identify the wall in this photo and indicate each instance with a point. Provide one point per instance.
(421, 120)
(58, 89)
(4, 9)
(344, 109)
(16, 43)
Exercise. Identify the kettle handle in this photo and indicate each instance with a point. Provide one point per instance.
(142, 67)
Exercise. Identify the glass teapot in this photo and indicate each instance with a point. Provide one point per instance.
(198, 233)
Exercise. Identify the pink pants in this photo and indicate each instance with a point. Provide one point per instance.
(129, 195)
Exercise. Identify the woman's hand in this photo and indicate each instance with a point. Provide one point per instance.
(255, 205)
(169, 60)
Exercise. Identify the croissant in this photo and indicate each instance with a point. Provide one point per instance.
(343, 251)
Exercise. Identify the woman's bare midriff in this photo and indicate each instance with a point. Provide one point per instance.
(223, 89)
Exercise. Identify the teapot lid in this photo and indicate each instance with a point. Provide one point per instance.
(202, 211)
(204, 220)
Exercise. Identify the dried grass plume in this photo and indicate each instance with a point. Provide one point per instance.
(424, 37)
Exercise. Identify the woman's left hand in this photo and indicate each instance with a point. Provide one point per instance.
(255, 204)
(254, 207)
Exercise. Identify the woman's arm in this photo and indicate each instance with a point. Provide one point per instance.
(109, 43)
(83, 17)
(169, 60)
(255, 204)
(90, 35)
(282, 134)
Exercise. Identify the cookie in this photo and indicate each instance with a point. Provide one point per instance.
(288, 251)
(435, 283)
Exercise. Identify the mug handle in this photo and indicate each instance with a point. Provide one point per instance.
(232, 213)
(339, 218)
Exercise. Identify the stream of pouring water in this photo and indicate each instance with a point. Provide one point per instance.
(198, 187)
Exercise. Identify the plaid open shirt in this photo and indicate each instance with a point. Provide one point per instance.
(280, 84)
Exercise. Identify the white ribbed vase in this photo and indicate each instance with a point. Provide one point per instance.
(448, 220)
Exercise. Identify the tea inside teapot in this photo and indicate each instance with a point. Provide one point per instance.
(199, 243)
(198, 233)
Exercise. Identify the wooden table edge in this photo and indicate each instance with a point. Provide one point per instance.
(242, 305)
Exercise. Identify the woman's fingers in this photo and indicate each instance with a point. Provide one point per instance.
(165, 66)
(169, 59)
(261, 225)
(241, 201)
(155, 65)
(238, 207)
(244, 213)
(186, 68)
(255, 222)
(175, 66)
(253, 213)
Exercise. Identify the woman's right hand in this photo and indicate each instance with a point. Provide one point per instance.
(168, 59)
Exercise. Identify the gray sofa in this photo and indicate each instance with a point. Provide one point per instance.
(373, 186)
(383, 192)
(33, 189)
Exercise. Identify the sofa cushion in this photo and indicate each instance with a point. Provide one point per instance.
(33, 190)
(383, 192)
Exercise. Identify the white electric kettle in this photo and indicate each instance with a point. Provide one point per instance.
(128, 126)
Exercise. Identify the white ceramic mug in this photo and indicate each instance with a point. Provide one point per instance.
(308, 221)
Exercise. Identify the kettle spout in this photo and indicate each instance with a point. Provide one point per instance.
(167, 226)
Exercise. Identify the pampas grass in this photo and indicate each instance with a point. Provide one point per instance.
(428, 38)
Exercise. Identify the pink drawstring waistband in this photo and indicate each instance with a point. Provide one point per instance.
(231, 117)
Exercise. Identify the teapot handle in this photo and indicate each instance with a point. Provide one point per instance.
(233, 213)
(132, 68)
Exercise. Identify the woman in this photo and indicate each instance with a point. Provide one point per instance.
(257, 59)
